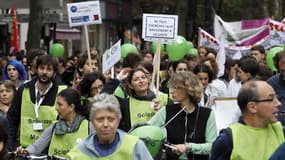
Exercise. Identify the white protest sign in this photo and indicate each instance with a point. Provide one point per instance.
(111, 56)
(226, 112)
(84, 13)
(159, 27)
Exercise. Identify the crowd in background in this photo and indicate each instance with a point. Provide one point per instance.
(189, 85)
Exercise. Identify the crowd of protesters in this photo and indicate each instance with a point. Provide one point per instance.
(48, 105)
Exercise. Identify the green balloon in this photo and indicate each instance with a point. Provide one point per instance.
(152, 137)
(57, 50)
(180, 39)
(177, 50)
(189, 45)
(126, 49)
(270, 55)
(153, 47)
(192, 52)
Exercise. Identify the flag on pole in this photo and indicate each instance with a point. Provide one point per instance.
(14, 39)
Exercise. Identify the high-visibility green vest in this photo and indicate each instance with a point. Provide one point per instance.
(47, 116)
(60, 145)
(255, 143)
(119, 92)
(141, 111)
(124, 152)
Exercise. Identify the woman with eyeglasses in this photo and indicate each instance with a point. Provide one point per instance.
(190, 129)
(91, 84)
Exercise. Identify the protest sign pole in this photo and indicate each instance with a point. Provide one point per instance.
(153, 73)
(87, 46)
(157, 65)
(113, 72)
(199, 37)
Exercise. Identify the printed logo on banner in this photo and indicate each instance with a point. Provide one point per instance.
(84, 13)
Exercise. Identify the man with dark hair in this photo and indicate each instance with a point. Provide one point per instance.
(277, 82)
(32, 57)
(258, 52)
(247, 69)
(258, 133)
(33, 107)
(83, 65)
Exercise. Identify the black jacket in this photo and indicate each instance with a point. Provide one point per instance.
(14, 113)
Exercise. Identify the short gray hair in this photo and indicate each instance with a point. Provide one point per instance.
(105, 101)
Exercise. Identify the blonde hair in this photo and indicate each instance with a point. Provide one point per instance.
(189, 82)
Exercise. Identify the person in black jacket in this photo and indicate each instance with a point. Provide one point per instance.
(33, 107)
(3, 141)
(190, 129)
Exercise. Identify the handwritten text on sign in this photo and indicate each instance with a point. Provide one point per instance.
(160, 26)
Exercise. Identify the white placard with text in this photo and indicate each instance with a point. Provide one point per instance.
(111, 57)
(159, 27)
(84, 13)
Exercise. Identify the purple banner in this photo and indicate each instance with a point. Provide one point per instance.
(251, 24)
(255, 38)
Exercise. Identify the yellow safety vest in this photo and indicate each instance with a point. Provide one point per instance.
(47, 116)
(124, 152)
(255, 143)
(141, 110)
(60, 145)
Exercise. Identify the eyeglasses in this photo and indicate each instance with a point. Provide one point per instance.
(265, 100)
(174, 87)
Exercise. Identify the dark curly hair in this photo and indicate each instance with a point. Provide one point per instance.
(206, 69)
(86, 83)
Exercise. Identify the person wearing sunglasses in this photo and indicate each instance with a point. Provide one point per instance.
(258, 133)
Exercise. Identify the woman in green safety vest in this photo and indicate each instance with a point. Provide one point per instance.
(108, 142)
(141, 103)
(71, 128)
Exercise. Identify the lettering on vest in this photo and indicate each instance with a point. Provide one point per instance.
(32, 121)
(145, 114)
(61, 151)
(33, 137)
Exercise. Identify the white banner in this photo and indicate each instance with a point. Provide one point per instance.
(206, 39)
(245, 32)
(236, 52)
(277, 33)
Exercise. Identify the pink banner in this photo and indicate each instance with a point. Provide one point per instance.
(251, 24)
(255, 38)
